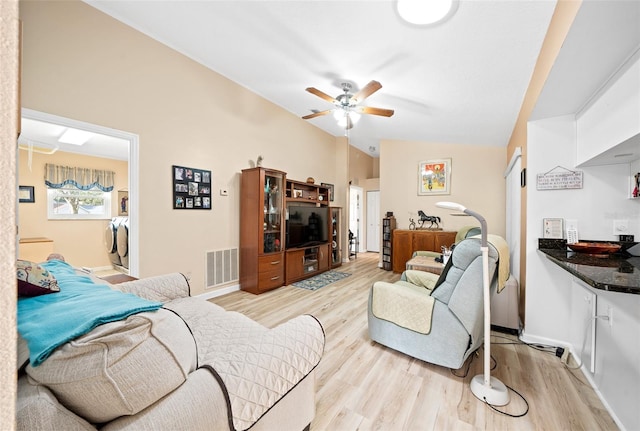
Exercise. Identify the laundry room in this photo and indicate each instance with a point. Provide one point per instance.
(73, 204)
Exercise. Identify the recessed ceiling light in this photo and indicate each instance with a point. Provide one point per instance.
(426, 12)
(75, 137)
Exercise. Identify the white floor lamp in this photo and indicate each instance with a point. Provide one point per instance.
(484, 387)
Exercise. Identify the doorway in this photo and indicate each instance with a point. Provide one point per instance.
(373, 221)
(131, 154)
(355, 215)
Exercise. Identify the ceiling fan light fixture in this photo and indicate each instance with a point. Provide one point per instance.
(429, 12)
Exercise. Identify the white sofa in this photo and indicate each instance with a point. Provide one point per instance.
(189, 365)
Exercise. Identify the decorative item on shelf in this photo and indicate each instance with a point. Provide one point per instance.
(389, 214)
(310, 180)
(297, 193)
(259, 161)
(412, 224)
(427, 218)
(331, 188)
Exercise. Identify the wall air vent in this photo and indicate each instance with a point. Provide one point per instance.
(221, 267)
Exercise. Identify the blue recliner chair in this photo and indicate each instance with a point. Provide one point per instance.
(438, 319)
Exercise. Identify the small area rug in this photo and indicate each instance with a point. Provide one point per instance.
(321, 280)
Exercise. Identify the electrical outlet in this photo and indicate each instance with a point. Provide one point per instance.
(620, 227)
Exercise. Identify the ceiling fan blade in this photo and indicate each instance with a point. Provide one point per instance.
(376, 111)
(317, 114)
(366, 91)
(321, 94)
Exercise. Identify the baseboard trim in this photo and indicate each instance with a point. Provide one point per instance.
(219, 292)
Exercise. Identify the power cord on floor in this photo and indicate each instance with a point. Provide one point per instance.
(510, 414)
(494, 365)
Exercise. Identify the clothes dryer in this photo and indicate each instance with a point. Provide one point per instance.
(122, 240)
(110, 240)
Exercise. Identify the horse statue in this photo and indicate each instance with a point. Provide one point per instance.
(427, 218)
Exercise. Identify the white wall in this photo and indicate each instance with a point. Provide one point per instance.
(551, 307)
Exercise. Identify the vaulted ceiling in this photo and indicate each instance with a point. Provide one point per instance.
(461, 81)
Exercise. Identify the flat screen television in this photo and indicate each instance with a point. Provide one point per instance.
(307, 226)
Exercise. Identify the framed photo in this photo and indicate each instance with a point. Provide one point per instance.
(434, 177)
(123, 203)
(330, 187)
(26, 194)
(553, 228)
(191, 188)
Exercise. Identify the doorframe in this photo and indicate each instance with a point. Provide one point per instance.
(360, 191)
(133, 167)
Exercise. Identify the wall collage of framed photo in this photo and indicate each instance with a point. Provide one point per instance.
(191, 188)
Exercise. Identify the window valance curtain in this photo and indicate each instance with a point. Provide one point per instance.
(56, 176)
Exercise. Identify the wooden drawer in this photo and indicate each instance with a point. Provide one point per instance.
(270, 262)
(271, 279)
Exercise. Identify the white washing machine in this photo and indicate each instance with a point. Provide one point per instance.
(110, 240)
(122, 241)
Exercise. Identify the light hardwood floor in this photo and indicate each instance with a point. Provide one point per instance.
(362, 385)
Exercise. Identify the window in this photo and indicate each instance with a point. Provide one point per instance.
(70, 202)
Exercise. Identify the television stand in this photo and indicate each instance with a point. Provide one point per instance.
(305, 262)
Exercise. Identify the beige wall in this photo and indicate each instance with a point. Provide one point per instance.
(81, 64)
(477, 182)
(80, 241)
(361, 166)
(9, 114)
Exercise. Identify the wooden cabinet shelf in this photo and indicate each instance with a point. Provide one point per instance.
(298, 191)
(305, 262)
(388, 226)
(261, 230)
(264, 264)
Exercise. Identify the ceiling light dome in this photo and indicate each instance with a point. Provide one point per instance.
(426, 12)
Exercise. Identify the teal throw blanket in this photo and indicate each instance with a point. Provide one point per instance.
(48, 321)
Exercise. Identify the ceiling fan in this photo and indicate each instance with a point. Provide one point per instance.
(346, 109)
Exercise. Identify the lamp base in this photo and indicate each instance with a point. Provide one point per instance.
(495, 394)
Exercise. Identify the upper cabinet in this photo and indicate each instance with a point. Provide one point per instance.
(608, 129)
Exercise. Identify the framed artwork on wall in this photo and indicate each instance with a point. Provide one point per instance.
(123, 202)
(26, 194)
(434, 177)
(191, 188)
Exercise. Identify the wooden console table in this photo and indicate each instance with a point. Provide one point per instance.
(405, 242)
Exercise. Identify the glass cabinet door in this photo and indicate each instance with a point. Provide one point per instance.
(273, 206)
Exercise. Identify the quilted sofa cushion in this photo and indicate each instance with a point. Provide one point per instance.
(120, 368)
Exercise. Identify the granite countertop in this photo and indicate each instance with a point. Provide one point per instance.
(617, 272)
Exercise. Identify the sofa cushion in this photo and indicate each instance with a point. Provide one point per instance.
(407, 305)
(121, 367)
(38, 409)
(34, 280)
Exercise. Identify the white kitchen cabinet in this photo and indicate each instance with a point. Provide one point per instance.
(610, 125)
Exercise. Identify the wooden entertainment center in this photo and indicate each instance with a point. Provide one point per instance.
(279, 246)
